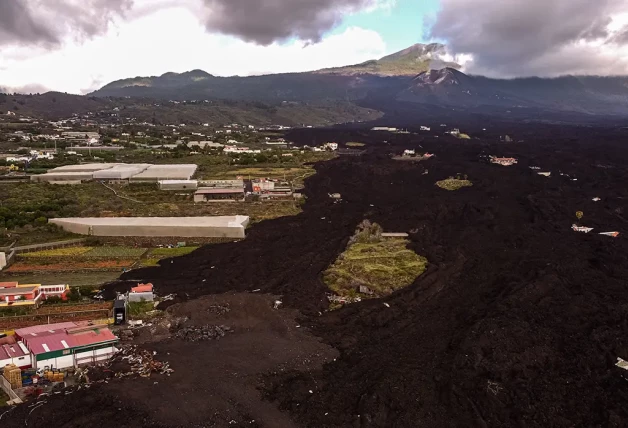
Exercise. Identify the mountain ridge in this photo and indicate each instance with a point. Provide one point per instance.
(410, 75)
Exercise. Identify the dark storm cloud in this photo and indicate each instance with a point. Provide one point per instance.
(267, 21)
(17, 24)
(526, 37)
(47, 23)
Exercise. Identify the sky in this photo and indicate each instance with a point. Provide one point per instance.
(78, 46)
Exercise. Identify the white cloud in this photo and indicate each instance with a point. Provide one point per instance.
(173, 39)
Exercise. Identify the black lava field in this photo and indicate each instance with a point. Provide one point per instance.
(518, 321)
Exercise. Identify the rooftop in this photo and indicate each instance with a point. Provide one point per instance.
(142, 288)
(45, 328)
(15, 350)
(63, 340)
(213, 191)
(216, 221)
(22, 289)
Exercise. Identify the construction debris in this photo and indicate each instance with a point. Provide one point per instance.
(581, 228)
(503, 161)
(611, 234)
(220, 309)
(198, 334)
(140, 362)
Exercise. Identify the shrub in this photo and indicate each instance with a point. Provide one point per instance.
(54, 300)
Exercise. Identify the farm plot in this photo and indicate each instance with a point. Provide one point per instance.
(78, 259)
(154, 256)
(122, 252)
(71, 266)
(372, 266)
(58, 252)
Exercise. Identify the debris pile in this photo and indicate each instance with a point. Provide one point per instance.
(219, 309)
(581, 229)
(503, 161)
(139, 362)
(198, 334)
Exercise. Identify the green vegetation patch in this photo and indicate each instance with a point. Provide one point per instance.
(453, 183)
(139, 309)
(115, 252)
(3, 399)
(373, 266)
(58, 252)
(171, 252)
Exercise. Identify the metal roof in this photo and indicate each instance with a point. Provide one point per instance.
(63, 340)
(142, 288)
(12, 351)
(18, 290)
(213, 191)
(45, 328)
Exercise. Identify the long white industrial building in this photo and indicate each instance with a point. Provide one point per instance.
(184, 227)
(143, 172)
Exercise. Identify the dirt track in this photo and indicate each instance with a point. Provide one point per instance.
(518, 321)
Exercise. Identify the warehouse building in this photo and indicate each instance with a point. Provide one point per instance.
(207, 194)
(157, 173)
(184, 227)
(224, 184)
(71, 177)
(117, 172)
(120, 172)
(65, 345)
(178, 185)
(88, 167)
(15, 353)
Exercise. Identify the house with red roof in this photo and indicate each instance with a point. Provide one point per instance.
(142, 293)
(15, 353)
(14, 294)
(69, 344)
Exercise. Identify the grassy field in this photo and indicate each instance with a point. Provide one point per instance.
(139, 309)
(58, 252)
(78, 279)
(3, 399)
(453, 184)
(155, 255)
(70, 266)
(115, 252)
(171, 252)
(383, 267)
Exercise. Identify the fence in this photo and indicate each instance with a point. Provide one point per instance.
(6, 387)
(48, 246)
(50, 317)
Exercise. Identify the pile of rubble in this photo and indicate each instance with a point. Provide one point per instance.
(140, 362)
(198, 334)
(219, 309)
